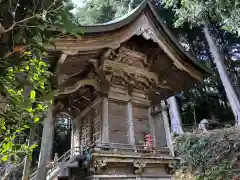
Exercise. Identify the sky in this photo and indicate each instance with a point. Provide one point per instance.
(78, 2)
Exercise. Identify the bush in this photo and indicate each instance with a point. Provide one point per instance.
(208, 156)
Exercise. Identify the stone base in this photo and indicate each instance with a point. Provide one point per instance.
(100, 177)
(114, 166)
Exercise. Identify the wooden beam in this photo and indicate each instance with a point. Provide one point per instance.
(60, 61)
(62, 58)
(78, 85)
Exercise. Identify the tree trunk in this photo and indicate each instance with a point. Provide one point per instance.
(175, 118)
(219, 60)
(45, 145)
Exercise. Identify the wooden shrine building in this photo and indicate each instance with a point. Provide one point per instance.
(113, 82)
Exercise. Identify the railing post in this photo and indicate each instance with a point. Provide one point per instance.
(55, 160)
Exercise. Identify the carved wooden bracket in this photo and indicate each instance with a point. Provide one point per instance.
(127, 78)
(79, 84)
(158, 108)
(139, 166)
(98, 165)
(147, 33)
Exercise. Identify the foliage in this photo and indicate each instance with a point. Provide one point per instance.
(226, 12)
(209, 156)
(194, 103)
(30, 24)
(25, 86)
(26, 29)
(101, 11)
(183, 174)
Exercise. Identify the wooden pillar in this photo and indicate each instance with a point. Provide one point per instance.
(151, 123)
(105, 128)
(72, 134)
(167, 128)
(75, 137)
(176, 125)
(44, 151)
(90, 122)
(131, 137)
(26, 167)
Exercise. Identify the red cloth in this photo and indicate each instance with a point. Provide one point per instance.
(148, 141)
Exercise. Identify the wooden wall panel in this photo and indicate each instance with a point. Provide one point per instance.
(140, 122)
(159, 130)
(85, 138)
(96, 123)
(118, 126)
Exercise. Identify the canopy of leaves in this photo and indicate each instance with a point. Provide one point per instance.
(26, 29)
(101, 11)
(29, 24)
(26, 85)
(225, 12)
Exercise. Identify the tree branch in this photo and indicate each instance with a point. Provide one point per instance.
(3, 30)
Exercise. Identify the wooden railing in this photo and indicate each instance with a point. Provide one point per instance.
(60, 162)
(119, 147)
(66, 158)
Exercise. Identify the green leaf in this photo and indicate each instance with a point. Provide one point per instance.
(36, 119)
(32, 95)
(27, 67)
(9, 145)
(29, 110)
(11, 91)
(40, 106)
(33, 147)
(5, 158)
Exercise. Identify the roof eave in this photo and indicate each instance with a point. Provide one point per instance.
(206, 71)
(147, 5)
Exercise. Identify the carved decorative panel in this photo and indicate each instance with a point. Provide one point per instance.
(131, 58)
(125, 75)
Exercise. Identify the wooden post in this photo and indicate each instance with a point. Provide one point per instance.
(90, 122)
(44, 151)
(176, 125)
(105, 128)
(75, 137)
(26, 167)
(167, 128)
(151, 123)
(131, 137)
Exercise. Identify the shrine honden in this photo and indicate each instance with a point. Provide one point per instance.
(113, 83)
